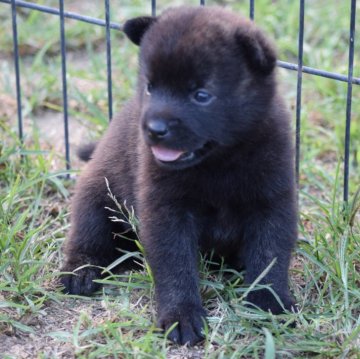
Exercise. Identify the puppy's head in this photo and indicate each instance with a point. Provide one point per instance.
(205, 82)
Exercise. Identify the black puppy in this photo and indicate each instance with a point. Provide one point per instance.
(203, 153)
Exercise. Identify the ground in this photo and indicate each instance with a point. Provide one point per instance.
(37, 321)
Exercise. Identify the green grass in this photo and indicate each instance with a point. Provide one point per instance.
(119, 321)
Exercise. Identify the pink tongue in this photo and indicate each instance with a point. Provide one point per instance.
(165, 154)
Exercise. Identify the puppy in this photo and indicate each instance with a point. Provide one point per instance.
(203, 152)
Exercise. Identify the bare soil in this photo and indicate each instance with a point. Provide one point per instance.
(63, 317)
(54, 317)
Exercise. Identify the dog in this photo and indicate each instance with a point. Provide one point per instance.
(204, 154)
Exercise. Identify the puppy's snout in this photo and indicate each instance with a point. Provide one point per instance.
(157, 128)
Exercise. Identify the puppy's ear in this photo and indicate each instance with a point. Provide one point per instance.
(259, 52)
(136, 28)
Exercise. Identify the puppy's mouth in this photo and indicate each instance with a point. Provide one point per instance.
(168, 156)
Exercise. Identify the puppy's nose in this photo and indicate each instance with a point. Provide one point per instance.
(157, 128)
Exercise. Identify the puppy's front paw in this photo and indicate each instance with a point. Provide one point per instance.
(81, 281)
(190, 321)
(265, 300)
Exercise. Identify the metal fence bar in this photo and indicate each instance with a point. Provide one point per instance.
(64, 84)
(67, 14)
(108, 58)
(153, 7)
(252, 9)
(299, 88)
(17, 69)
(317, 72)
(349, 98)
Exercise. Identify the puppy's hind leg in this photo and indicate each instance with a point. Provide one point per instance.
(91, 241)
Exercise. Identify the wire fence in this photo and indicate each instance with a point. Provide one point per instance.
(298, 67)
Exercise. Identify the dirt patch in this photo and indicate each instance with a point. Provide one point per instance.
(54, 317)
(51, 132)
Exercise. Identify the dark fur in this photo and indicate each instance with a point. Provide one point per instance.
(236, 197)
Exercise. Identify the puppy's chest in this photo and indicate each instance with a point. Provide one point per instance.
(226, 188)
(222, 228)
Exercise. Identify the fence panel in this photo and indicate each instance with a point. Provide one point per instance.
(298, 67)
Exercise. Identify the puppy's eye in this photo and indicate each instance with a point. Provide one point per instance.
(202, 97)
(149, 88)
